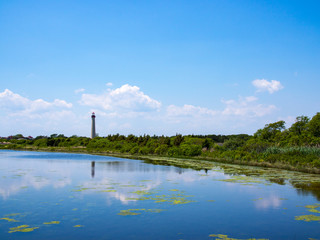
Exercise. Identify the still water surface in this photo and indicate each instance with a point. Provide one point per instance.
(78, 196)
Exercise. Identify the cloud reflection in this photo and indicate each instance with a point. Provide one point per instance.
(269, 202)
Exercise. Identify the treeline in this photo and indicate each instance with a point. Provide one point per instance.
(297, 146)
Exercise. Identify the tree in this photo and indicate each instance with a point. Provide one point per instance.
(314, 125)
(270, 131)
(206, 144)
(178, 140)
(300, 125)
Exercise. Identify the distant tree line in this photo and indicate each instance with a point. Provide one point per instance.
(298, 146)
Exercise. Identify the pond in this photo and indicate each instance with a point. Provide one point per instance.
(79, 196)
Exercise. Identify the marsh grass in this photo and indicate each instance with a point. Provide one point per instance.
(293, 150)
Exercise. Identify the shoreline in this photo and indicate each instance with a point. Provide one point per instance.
(196, 163)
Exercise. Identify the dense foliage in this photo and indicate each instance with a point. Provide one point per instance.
(297, 146)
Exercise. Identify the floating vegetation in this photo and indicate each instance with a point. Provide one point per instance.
(133, 212)
(308, 218)
(109, 190)
(211, 200)
(314, 210)
(82, 189)
(174, 190)
(174, 199)
(78, 226)
(129, 212)
(132, 199)
(257, 199)
(242, 180)
(52, 222)
(12, 214)
(313, 206)
(225, 237)
(142, 192)
(22, 228)
(9, 219)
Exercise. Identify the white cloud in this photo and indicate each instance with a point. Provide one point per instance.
(126, 98)
(15, 103)
(265, 85)
(247, 107)
(189, 111)
(79, 90)
(109, 84)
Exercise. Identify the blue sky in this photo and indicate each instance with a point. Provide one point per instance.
(157, 67)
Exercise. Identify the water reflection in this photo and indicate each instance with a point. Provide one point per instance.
(268, 202)
(306, 189)
(91, 192)
(93, 163)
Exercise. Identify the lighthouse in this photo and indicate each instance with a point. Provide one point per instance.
(93, 125)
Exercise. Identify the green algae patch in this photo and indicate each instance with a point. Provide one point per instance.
(313, 206)
(177, 198)
(78, 226)
(9, 219)
(257, 199)
(12, 214)
(82, 189)
(134, 212)
(310, 217)
(22, 228)
(142, 192)
(129, 212)
(109, 190)
(244, 180)
(314, 210)
(225, 237)
(307, 218)
(52, 222)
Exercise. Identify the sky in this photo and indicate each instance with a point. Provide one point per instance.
(157, 67)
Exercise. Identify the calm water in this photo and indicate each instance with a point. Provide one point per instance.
(76, 196)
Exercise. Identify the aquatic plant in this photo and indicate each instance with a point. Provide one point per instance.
(52, 222)
(22, 228)
(133, 212)
(225, 237)
(110, 190)
(9, 219)
(308, 218)
(78, 226)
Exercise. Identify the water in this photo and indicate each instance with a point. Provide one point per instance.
(78, 196)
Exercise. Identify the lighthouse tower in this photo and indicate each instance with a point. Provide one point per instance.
(93, 125)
